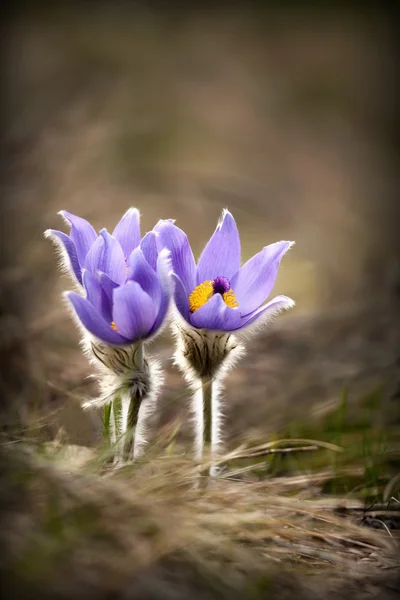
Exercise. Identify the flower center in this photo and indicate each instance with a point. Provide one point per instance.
(113, 326)
(203, 292)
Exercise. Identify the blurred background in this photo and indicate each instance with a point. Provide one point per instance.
(286, 116)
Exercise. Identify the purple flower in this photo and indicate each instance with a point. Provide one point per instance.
(219, 294)
(125, 279)
(83, 248)
(121, 314)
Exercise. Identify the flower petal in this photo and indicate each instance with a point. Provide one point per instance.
(127, 231)
(176, 241)
(82, 234)
(181, 298)
(164, 273)
(266, 313)
(67, 250)
(92, 321)
(139, 270)
(134, 311)
(108, 286)
(216, 315)
(256, 278)
(221, 256)
(106, 255)
(96, 295)
(149, 248)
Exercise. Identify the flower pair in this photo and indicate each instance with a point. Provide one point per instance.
(128, 280)
(126, 284)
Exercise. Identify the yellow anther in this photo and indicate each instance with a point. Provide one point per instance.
(230, 299)
(200, 295)
(203, 292)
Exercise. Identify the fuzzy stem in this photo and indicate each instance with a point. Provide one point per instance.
(131, 425)
(135, 402)
(206, 386)
(207, 441)
(117, 410)
(116, 426)
(106, 424)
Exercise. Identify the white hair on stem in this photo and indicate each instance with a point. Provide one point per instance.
(125, 375)
(205, 357)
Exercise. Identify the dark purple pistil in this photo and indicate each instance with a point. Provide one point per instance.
(221, 285)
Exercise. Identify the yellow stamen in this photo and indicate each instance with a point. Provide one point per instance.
(203, 292)
(113, 326)
(200, 295)
(230, 299)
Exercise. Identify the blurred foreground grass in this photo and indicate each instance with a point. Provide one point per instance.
(312, 514)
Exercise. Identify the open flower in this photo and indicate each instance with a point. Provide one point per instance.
(219, 294)
(124, 303)
(83, 248)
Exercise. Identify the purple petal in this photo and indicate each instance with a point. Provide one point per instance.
(255, 280)
(106, 255)
(108, 286)
(221, 256)
(267, 312)
(149, 248)
(164, 273)
(181, 298)
(82, 234)
(96, 295)
(92, 321)
(127, 231)
(176, 241)
(134, 311)
(139, 270)
(215, 314)
(67, 250)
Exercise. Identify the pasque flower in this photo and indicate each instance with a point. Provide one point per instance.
(217, 293)
(135, 309)
(124, 278)
(125, 291)
(217, 300)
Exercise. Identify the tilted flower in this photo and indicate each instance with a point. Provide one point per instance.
(123, 300)
(119, 318)
(124, 304)
(218, 294)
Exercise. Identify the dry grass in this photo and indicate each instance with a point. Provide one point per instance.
(147, 531)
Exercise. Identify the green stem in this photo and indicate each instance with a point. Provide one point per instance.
(207, 425)
(106, 424)
(134, 407)
(117, 410)
(207, 416)
(133, 414)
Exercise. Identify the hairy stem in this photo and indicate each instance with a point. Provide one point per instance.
(115, 425)
(131, 425)
(207, 441)
(117, 416)
(107, 424)
(135, 402)
(207, 416)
